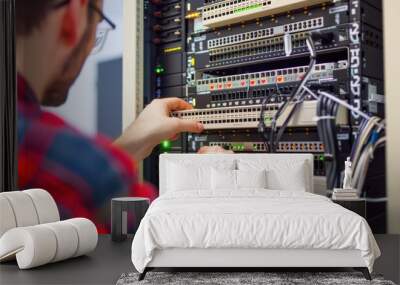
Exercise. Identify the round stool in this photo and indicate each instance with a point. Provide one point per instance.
(120, 207)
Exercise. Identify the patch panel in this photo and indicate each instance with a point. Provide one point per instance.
(299, 26)
(270, 50)
(271, 45)
(242, 97)
(233, 11)
(286, 146)
(249, 116)
(278, 76)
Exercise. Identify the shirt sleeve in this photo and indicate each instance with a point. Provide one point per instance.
(81, 173)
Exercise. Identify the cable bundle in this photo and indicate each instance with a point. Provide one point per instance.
(326, 125)
(296, 97)
(367, 141)
(369, 138)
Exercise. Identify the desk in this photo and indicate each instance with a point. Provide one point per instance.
(110, 259)
(102, 266)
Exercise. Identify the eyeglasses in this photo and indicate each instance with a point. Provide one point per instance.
(101, 32)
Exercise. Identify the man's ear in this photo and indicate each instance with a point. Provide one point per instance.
(73, 22)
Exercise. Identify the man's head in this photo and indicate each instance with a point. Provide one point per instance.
(54, 38)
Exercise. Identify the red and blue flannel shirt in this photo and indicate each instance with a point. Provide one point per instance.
(81, 173)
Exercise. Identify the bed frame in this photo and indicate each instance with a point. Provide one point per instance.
(256, 258)
(251, 258)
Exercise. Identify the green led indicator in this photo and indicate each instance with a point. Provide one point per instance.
(159, 69)
(321, 157)
(238, 147)
(267, 120)
(166, 145)
(248, 8)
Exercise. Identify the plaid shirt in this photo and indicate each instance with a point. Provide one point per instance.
(81, 173)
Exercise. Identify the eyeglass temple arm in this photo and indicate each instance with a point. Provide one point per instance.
(92, 6)
(104, 17)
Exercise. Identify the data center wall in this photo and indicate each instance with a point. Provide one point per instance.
(226, 56)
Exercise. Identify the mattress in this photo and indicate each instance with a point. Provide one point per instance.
(250, 219)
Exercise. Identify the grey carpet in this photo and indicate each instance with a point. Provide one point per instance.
(243, 278)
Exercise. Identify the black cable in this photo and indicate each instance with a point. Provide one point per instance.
(335, 110)
(261, 125)
(327, 130)
(295, 92)
(356, 142)
(331, 139)
(325, 137)
(282, 129)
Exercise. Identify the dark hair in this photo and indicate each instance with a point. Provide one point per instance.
(30, 14)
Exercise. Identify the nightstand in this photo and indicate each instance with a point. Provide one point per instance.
(358, 206)
(136, 207)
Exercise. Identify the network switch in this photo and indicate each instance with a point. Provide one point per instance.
(249, 116)
(278, 76)
(286, 146)
(255, 47)
(268, 49)
(234, 11)
(299, 26)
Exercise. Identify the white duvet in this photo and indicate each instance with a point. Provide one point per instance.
(250, 219)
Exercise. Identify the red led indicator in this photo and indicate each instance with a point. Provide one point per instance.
(212, 86)
(243, 83)
(252, 82)
(280, 79)
(263, 81)
(219, 86)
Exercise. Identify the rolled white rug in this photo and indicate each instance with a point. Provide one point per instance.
(32, 246)
(7, 217)
(67, 240)
(87, 235)
(37, 245)
(46, 207)
(23, 208)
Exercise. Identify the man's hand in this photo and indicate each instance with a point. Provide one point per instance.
(154, 125)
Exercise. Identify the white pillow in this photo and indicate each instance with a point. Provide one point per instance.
(223, 179)
(183, 177)
(282, 174)
(251, 178)
(194, 175)
(291, 178)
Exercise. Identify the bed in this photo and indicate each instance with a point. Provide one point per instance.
(247, 210)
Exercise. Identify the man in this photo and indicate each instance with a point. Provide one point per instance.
(53, 40)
